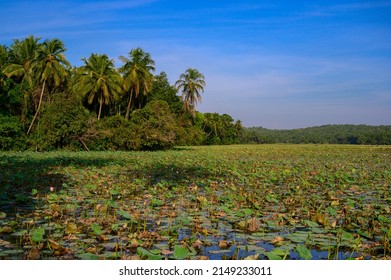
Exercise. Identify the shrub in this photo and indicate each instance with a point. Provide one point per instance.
(155, 126)
(61, 125)
(12, 136)
(113, 133)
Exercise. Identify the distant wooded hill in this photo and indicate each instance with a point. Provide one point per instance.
(326, 134)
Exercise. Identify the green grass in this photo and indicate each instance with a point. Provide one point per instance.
(217, 202)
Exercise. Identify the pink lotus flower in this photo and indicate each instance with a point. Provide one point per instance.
(52, 189)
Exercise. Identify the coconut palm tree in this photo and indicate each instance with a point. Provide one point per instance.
(192, 83)
(99, 80)
(137, 75)
(3, 56)
(50, 65)
(3, 62)
(22, 54)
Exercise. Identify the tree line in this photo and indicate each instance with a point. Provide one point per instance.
(47, 104)
(326, 134)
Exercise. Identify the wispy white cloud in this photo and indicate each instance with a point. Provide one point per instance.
(361, 5)
(114, 5)
(61, 16)
(280, 92)
(280, 71)
(326, 10)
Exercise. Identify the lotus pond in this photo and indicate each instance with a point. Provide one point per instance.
(217, 202)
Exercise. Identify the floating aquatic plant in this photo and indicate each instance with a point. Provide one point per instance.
(218, 202)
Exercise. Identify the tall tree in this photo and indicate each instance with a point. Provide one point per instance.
(138, 78)
(11, 92)
(50, 65)
(22, 54)
(192, 83)
(3, 56)
(162, 90)
(99, 80)
(3, 62)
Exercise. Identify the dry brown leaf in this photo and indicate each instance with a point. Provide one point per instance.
(33, 254)
(134, 243)
(202, 200)
(57, 248)
(251, 258)
(166, 252)
(197, 243)
(103, 237)
(3, 242)
(277, 240)
(223, 244)
(71, 228)
(320, 218)
(54, 207)
(54, 245)
(91, 249)
(220, 214)
(253, 224)
(172, 214)
(6, 229)
(71, 237)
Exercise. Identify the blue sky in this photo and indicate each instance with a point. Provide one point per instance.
(276, 64)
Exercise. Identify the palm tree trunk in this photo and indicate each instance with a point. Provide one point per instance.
(129, 103)
(39, 106)
(100, 109)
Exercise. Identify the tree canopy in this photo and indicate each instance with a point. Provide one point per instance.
(192, 83)
(137, 71)
(326, 134)
(98, 81)
(47, 104)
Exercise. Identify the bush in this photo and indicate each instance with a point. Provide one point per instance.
(12, 136)
(155, 126)
(61, 125)
(113, 133)
(190, 136)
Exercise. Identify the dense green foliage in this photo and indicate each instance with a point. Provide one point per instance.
(98, 81)
(62, 125)
(220, 129)
(137, 75)
(327, 134)
(11, 133)
(46, 104)
(156, 125)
